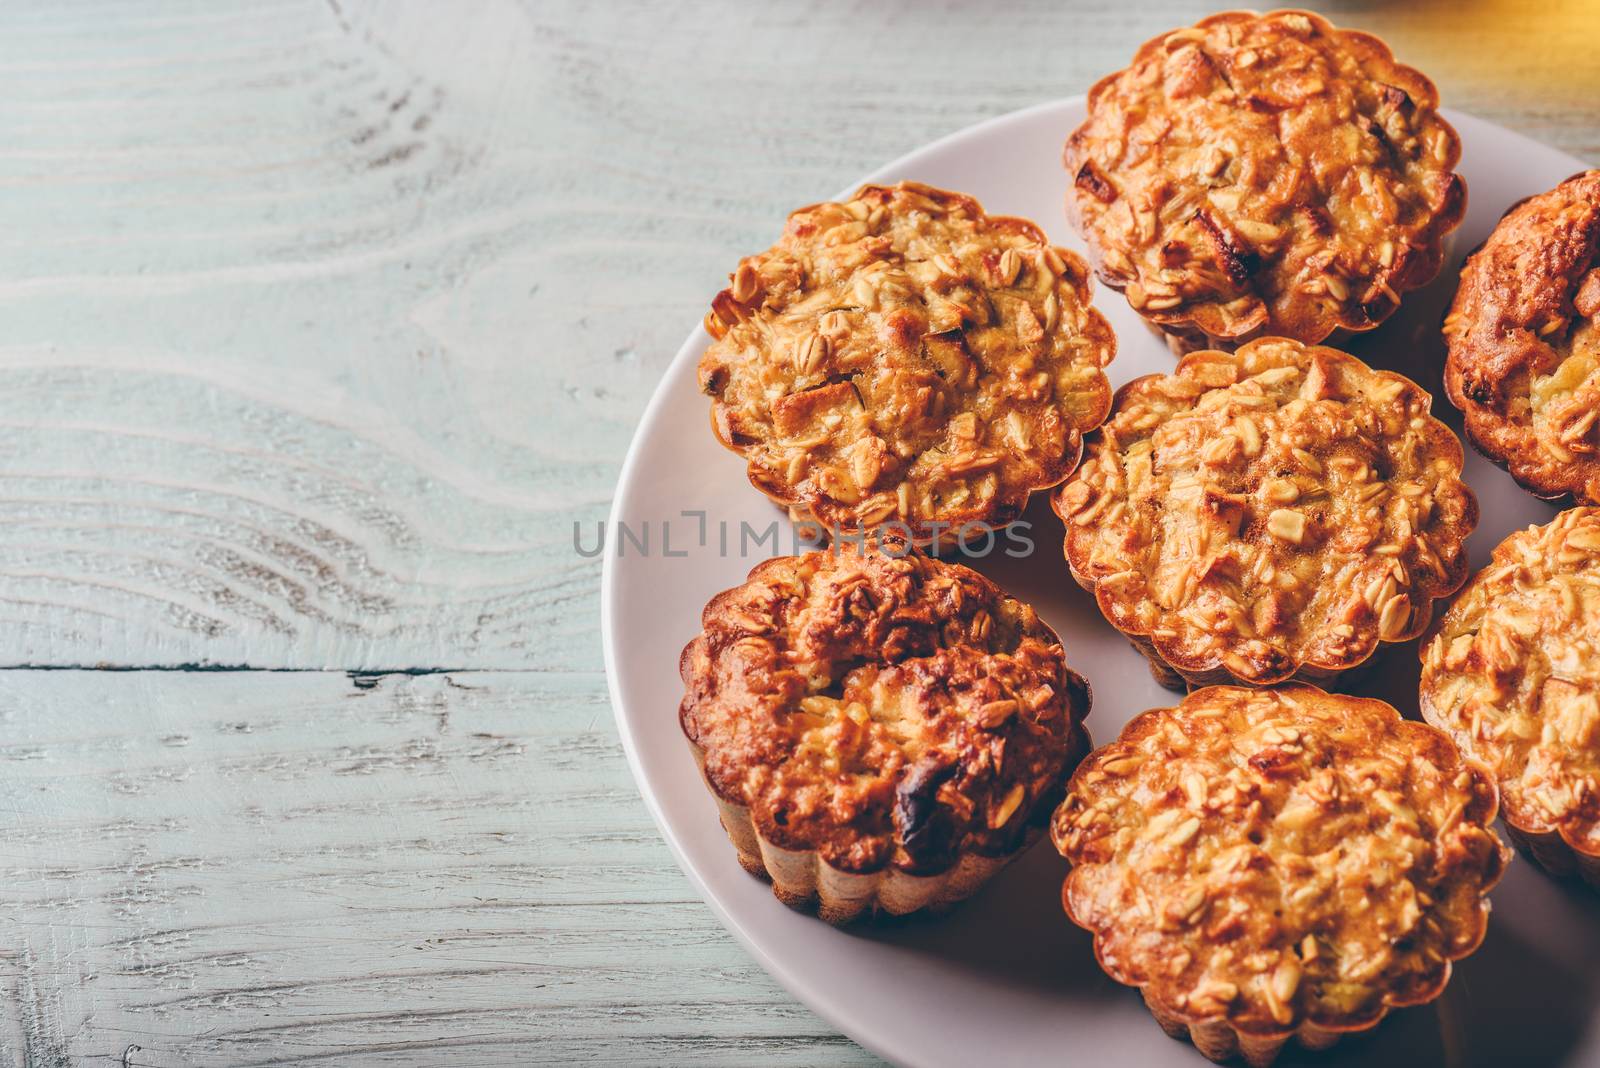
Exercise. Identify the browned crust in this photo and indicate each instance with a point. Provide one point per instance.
(804, 881)
(1200, 277)
(1115, 540)
(1514, 319)
(960, 390)
(1181, 960)
(1510, 672)
(858, 712)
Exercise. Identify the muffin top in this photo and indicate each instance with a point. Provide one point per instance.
(1278, 507)
(1278, 856)
(882, 709)
(1524, 337)
(904, 358)
(1265, 174)
(1513, 673)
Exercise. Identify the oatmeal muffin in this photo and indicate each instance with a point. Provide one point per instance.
(880, 731)
(1264, 174)
(903, 359)
(1273, 863)
(1270, 513)
(1512, 672)
(1524, 337)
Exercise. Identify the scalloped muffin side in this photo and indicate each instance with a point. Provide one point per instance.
(1512, 673)
(905, 359)
(1268, 864)
(881, 731)
(1266, 514)
(1264, 174)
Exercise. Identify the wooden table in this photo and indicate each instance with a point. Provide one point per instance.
(320, 326)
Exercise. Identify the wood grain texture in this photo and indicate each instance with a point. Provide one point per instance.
(324, 322)
(252, 868)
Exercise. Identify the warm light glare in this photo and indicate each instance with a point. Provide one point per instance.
(1523, 49)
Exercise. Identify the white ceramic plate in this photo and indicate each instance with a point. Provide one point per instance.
(1005, 979)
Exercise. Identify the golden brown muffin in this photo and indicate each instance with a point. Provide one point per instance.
(881, 732)
(1264, 174)
(904, 359)
(1269, 513)
(1524, 337)
(1273, 863)
(1512, 672)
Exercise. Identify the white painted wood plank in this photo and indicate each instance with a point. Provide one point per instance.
(323, 322)
(251, 868)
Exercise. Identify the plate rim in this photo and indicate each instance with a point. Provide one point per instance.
(836, 1014)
